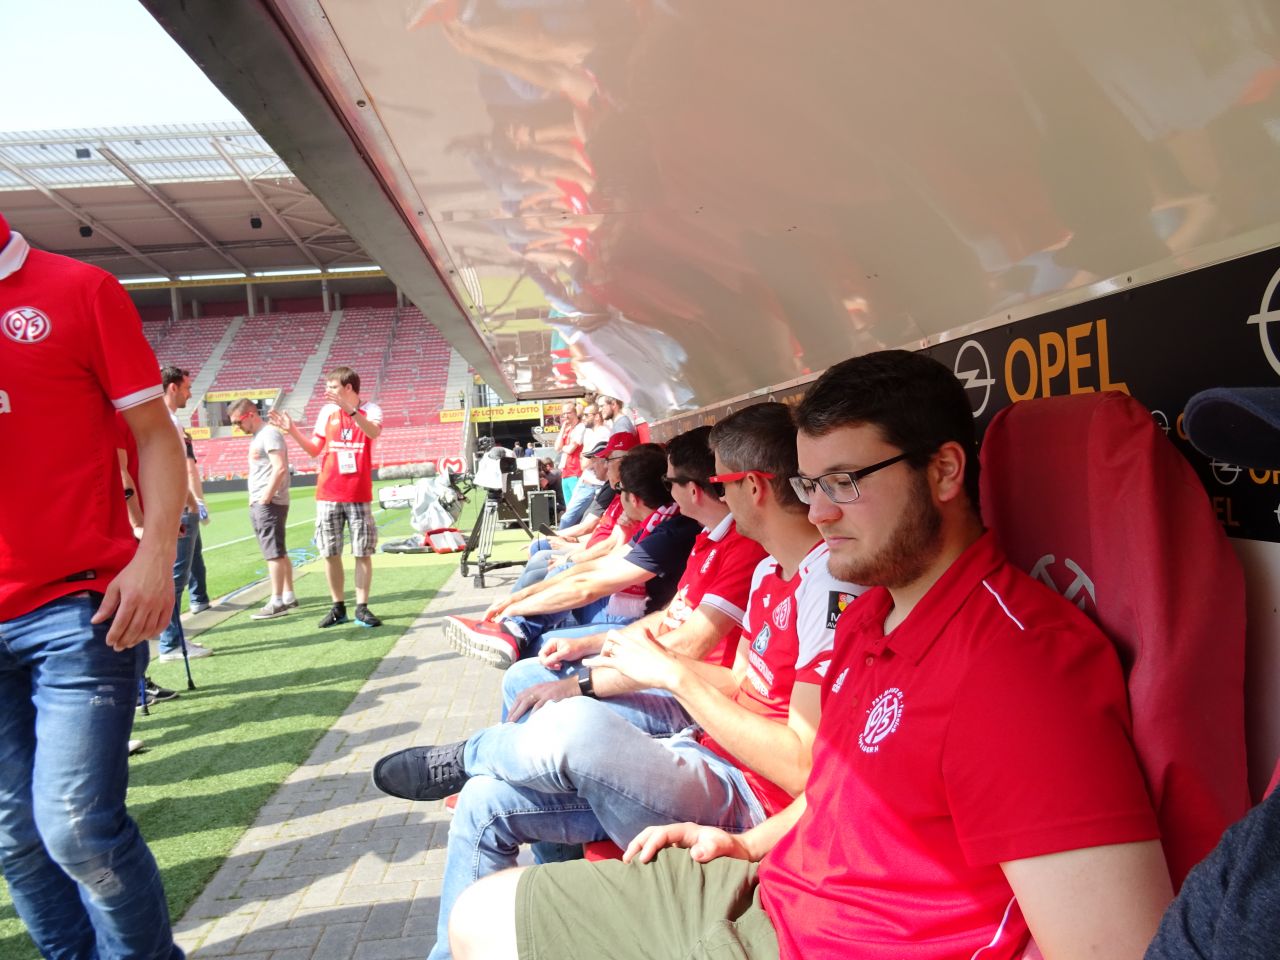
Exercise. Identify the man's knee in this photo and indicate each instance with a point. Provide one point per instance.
(483, 922)
(87, 844)
(524, 674)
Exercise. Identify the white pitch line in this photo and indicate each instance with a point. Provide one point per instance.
(253, 536)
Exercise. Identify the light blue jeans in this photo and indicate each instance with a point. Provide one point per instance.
(577, 504)
(574, 773)
(81, 876)
(656, 712)
(171, 637)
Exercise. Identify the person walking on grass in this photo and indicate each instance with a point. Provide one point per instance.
(268, 504)
(343, 439)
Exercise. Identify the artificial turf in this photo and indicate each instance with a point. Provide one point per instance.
(214, 756)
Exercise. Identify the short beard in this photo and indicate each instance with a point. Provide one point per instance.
(912, 548)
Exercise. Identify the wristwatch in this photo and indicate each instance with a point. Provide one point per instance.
(584, 685)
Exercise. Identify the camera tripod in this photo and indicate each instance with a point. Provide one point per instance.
(480, 541)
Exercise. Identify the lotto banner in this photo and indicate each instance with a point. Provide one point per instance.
(511, 411)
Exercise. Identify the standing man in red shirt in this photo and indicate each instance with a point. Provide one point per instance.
(973, 779)
(79, 596)
(343, 436)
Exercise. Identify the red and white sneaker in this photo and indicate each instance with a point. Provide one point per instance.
(483, 640)
(450, 802)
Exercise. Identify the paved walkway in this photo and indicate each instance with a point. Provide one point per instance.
(333, 868)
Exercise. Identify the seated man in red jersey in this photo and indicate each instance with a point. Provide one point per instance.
(702, 621)
(575, 771)
(973, 781)
(616, 589)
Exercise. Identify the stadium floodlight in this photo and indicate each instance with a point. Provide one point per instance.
(128, 280)
(291, 272)
(211, 276)
(371, 266)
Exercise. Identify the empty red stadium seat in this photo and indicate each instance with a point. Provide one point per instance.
(1088, 495)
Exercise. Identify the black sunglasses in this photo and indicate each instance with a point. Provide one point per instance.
(716, 489)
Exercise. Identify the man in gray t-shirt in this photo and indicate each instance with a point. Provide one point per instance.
(268, 504)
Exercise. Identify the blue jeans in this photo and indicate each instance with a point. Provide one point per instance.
(171, 638)
(577, 504)
(199, 579)
(588, 619)
(577, 772)
(536, 570)
(656, 712)
(80, 874)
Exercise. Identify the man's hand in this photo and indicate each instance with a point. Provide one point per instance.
(703, 843)
(336, 399)
(532, 699)
(495, 609)
(559, 650)
(639, 657)
(140, 599)
(281, 420)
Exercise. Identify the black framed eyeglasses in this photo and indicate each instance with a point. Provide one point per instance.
(840, 487)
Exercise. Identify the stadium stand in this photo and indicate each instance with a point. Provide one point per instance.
(364, 336)
(270, 351)
(190, 341)
(412, 387)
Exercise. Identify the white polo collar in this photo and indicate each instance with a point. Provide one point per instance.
(14, 254)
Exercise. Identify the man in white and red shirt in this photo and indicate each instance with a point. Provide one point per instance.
(79, 595)
(575, 771)
(343, 438)
(974, 781)
(702, 621)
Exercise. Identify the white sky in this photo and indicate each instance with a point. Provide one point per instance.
(97, 63)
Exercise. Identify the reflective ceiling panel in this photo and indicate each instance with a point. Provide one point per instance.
(679, 202)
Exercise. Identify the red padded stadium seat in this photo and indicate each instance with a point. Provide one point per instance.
(1088, 495)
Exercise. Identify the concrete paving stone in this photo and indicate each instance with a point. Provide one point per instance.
(230, 928)
(353, 851)
(404, 948)
(375, 892)
(396, 833)
(352, 915)
(296, 953)
(325, 891)
(415, 872)
(299, 869)
(278, 910)
(265, 890)
(272, 864)
(386, 920)
(339, 942)
(279, 938)
(423, 925)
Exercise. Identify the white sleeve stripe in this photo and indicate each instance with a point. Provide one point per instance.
(731, 610)
(138, 397)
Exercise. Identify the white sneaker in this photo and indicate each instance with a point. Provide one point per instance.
(194, 652)
(270, 611)
(200, 607)
(135, 746)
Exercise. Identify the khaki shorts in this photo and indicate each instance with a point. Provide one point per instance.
(331, 517)
(670, 908)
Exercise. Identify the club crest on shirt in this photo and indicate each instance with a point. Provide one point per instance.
(837, 600)
(882, 719)
(782, 614)
(26, 325)
(761, 642)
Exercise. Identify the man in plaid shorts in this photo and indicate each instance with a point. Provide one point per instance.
(343, 437)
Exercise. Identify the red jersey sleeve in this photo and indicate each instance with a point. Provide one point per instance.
(122, 359)
(731, 586)
(1051, 707)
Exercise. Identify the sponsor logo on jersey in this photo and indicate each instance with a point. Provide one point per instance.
(25, 325)
(761, 642)
(882, 719)
(782, 614)
(1079, 589)
(835, 687)
(837, 600)
(707, 562)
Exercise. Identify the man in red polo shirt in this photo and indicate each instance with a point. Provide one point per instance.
(79, 597)
(343, 437)
(973, 778)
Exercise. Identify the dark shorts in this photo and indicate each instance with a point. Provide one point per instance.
(670, 908)
(268, 523)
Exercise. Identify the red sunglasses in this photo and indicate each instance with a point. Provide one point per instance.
(740, 475)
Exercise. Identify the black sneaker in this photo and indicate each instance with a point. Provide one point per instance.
(422, 773)
(157, 693)
(366, 619)
(337, 614)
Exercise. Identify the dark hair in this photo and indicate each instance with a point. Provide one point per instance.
(690, 454)
(915, 402)
(345, 376)
(172, 374)
(641, 473)
(761, 437)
